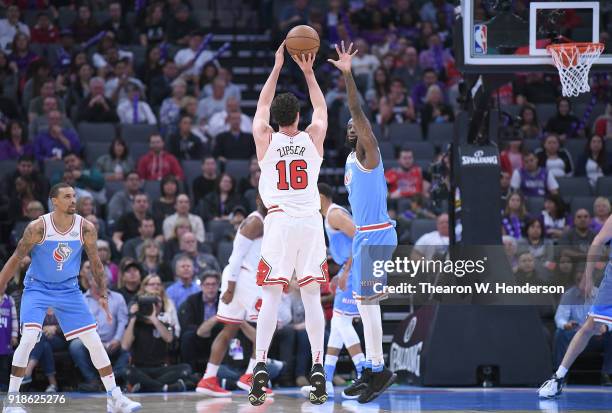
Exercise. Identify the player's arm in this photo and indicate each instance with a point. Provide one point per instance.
(90, 237)
(366, 138)
(341, 221)
(32, 235)
(249, 231)
(318, 125)
(261, 121)
(594, 253)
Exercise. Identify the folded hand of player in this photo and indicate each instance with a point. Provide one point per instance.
(304, 61)
(344, 58)
(227, 296)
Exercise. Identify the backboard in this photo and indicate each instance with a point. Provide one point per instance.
(512, 35)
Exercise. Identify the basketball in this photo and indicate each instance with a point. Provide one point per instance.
(302, 40)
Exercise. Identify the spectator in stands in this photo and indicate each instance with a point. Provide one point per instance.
(117, 24)
(435, 110)
(20, 197)
(379, 86)
(601, 212)
(108, 53)
(420, 90)
(208, 74)
(433, 243)
(220, 203)
(151, 259)
(111, 332)
(180, 25)
(157, 163)
(576, 240)
(89, 179)
(408, 69)
(169, 114)
(514, 216)
(435, 56)
(218, 122)
(603, 123)
(403, 107)
(252, 181)
(130, 279)
(564, 123)
(164, 206)
(553, 216)
(21, 55)
(171, 246)
(127, 225)
(115, 88)
(202, 261)
(431, 9)
(10, 26)
(182, 207)
(9, 334)
(152, 30)
(121, 201)
(510, 248)
(184, 145)
(595, 161)
(36, 106)
(148, 338)
(564, 272)
(511, 157)
(572, 312)
(85, 26)
(96, 108)
(533, 180)
(44, 32)
(337, 22)
(364, 63)
(133, 247)
(232, 90)
(234, 144)
(134, 110)
(407, 179)
(554, 158)
(214, 103)
(79, 87)
(536, 88)
(40, 73)
(293, 14)
(198, 321)
(41, 123)
(56, 142)
(26, 169)
(160, 86)
(15, 144)
(117, 163)
(504, 186)
(184, 285)
(110, 268)
(205, 183)
(540, 248)
(529, 124)
(188, 61)
(336, 96)
(526, 272)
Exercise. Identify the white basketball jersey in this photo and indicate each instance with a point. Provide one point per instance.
(290, 173)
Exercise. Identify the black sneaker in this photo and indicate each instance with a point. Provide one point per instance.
(318, 392)
(354, 390)
(377, 383)
(257, 394)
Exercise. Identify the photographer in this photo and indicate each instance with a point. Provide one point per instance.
(151, 330)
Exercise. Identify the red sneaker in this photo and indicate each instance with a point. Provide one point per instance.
(210, 387)
(245, 382)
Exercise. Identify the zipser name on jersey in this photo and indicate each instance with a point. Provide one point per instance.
(291, 150)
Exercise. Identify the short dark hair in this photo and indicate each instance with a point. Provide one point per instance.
(210, 274)
(54, 192)
(26, 158)
(111, 148)
(326, 190)
(285, 108)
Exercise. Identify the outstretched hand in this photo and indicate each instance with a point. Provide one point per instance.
(304, 61)
(344, 58)
(279, 56)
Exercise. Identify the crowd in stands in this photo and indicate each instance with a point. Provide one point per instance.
(170, 180)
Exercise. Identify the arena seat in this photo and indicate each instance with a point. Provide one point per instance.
(420, 227)
(137, 149)
(579, 202)
(96, 132)
(152, 189)
(137, 133)
(440, 133)
(534, 204)
(545, 111)
(421, 150)
(387, 151)
(221, 230)
(401, 133)
(224, 251)
(237, 168)
(94, 150)
(574, 186)
(604, 186)
(191, 169)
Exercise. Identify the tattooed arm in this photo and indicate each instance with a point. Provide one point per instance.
(32, 235)
(90, 237)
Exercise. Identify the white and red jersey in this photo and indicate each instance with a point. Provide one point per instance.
(289, 175)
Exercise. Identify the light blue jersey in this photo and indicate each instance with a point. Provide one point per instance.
(340, 246)
(57, 257)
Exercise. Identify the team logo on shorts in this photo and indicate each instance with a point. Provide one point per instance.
(61, 253)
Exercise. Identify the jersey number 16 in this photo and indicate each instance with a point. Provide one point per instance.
(298, 177)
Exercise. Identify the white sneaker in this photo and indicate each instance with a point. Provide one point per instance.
(551, 387)
(52, 388)
(329, 388)
(121, 404)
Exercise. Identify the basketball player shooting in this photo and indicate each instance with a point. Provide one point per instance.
(293, 239)
(375, 239)
(56, 241)
(599, 316)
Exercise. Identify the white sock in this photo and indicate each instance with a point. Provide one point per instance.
(14, 384)
(314, 320)
(372, 326)
(211, 370)
(109, 382)
(266, 321)
(251, 366)
(561, 372)
(358, 359)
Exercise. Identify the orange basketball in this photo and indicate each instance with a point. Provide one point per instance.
(302, 40)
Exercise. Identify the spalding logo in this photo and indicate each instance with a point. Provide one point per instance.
(410, 330)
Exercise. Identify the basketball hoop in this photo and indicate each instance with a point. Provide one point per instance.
(574, 60)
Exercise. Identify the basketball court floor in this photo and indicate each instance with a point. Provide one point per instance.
(398, 399)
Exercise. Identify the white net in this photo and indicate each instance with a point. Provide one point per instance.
(574, 60)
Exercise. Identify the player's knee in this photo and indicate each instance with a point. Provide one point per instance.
(29, 338)
(311, 288)
(96, 349)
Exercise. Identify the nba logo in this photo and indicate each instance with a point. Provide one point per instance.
(480, 39)
(61, 254)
